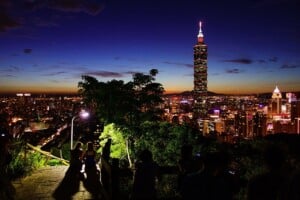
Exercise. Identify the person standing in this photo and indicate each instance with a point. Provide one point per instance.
(76, 158)
(7, 190)
(89, 157)
(92, 182)
(187, 164)
(71, 181)
(145, 177)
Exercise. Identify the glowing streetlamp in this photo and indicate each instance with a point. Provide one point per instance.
(83, 114)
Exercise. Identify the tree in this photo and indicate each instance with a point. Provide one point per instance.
(89, 89)
(118, 146)
(110, 100)
(125, 104)
(148, 95)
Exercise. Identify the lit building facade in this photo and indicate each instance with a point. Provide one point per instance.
(283, 116)
(276, 102)
(200, 77)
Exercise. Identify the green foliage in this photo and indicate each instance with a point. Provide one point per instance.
(24, 160)
(166, 187)
(249, 158)
(118, 145)
(63, 152)
(163, 139)
(53, 162)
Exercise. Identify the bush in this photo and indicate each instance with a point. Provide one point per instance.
(24, 160)
(53, 162)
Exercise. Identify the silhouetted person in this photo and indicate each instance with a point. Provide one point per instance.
(105, 167)
(272, 183)
(76, 158)
(187, 163)
(92, 182)
(71, 181)
(89, 157)
(209, 183)
(294, 186)
(7, 190)
(115, 179)
(145, 177)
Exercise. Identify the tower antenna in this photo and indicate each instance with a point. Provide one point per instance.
(200, 34)
(200, 26)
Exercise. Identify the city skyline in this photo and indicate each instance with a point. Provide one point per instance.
(47, 46)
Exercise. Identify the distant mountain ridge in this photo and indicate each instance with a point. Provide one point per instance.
(209, 93)
(184, 93)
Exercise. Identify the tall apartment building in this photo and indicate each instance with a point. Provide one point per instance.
(200, 77)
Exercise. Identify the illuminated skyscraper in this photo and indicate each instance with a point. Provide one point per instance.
(276, 101)
(200, 77)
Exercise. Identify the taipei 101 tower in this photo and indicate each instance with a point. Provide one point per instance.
(200, 77)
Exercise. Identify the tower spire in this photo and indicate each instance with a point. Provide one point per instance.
(200, 34)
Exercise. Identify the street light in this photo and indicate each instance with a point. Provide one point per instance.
(298, 125)
(83, 114)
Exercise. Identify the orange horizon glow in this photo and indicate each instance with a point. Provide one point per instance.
(225, 89)
(62, 91)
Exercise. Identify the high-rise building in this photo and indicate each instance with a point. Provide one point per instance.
(200, 77)
(259, 124)
(276, 102)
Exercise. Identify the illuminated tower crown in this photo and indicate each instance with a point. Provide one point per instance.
(200, 34)
(276, 93)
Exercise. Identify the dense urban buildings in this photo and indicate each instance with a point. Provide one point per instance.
(244, 116)
(231, 116)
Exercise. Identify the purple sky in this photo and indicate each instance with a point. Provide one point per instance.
(253, 45)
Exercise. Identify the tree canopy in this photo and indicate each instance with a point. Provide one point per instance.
(125, 104)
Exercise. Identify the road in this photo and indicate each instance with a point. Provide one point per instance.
(41, 184)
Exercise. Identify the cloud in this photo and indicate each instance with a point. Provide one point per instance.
(11, 68)
(27, 51)
(273, 59)
(10, 8)
(234, 71)
(54, 81)
(288, 66)
(131, 72)
(261, 61)
(54, 73)
(215, 74)
(245, 61)
(92, 7)
(106, 74)
(6, 22)
(178, 64)
(44, 22)
(7, 75)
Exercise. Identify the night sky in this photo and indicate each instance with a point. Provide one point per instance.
(47, 45)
